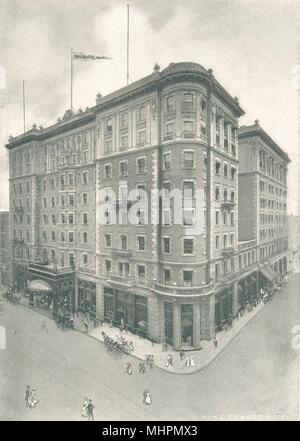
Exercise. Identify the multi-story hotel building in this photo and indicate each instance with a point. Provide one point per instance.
(5, 270)
(263, 195)
(85, 224)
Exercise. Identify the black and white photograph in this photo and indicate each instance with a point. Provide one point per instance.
(149, 211)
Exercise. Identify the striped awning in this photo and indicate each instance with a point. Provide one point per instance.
(39, 286)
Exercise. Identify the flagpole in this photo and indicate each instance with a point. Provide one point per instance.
(24, 114)
(71, 78)
(127, 45)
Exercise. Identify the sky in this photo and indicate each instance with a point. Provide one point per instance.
(251, 45)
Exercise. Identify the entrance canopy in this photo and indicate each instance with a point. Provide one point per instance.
(39, 286)
(267, 274)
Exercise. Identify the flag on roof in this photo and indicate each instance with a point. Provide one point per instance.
(87, 57)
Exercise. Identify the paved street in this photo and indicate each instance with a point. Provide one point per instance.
(256, 374)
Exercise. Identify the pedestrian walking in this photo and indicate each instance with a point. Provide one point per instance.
(84, 408)
(215, 342)
(131, 347)
(170, 359)
(147, 398)
(86, 327)
(188, 361)
(27, 395)
(128, 369)
(192, 361)
(44, 326)
(90, 410)
(32, 402)
(164, 346)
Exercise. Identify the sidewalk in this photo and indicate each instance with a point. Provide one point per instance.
(202, 357)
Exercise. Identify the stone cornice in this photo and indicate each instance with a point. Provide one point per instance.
(175, 72)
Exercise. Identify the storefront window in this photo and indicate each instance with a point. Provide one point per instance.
(109, 304)
(124, 309)
(169, 323)
(87, 297)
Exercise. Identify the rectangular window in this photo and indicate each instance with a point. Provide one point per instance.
(225, 241)
(167, 161)
(71, 218)
(124, 142)
(141, 166)
(85, 198)
(167, 245)
(188, 278)
(170, 103)
(85, 177)
(188, 216)
(108, 240)
(85, 237)
(123, 240)
(218, 167)
(141, 274)
(108, 267)
(85, 218)
(188, 190)
(188, 127)
(141, 243)
(107, 171)
(123, 168)
(188, 159)
(108, 146)
(108, 125)
(142, 113)
(217, 242)
(124, 120)
(71, 237)
(141, 192)
(170, 129)
(188, 100)
(188, 246)
(167, 277)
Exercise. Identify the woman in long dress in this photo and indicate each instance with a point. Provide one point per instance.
(147, 397)
(192, 361)
(84, 408)
(32, 402)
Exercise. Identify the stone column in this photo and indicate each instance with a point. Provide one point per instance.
(76, 294)
(99, 300)
(154, 318)
(162, 320)
(176, 325)
(208, 317)
(235, 303)
(196, 326)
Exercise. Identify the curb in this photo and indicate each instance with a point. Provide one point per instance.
(199, 368)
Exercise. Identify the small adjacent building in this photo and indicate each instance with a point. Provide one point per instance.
(263, 172)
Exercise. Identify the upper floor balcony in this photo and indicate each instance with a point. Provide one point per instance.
(228, 252)
(49, 269)
(175, 290)
(228, 205)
